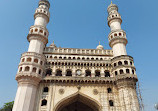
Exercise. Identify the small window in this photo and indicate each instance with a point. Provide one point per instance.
(41, 63)
(41, 31)
(127, 71)
(131, 63)
(115, 35)
(32, 31)
(97, 73)
(48, 72)
(59, 73)
(29, 59)
(36, 60)
(119, 63)
(34, 69)
(107, 73)
(45, 89)
(27, 68)
(23, 59)
(111, 103)
(88, 73)
(36, 30)
(114, 64)
(115, 73)
(55, 57)
(121, 71)
(68, 73)
(39, 71)
(20, 69)
(44, 102)
(126, 62)
(120, 34)
(109, 90)
(133, 71)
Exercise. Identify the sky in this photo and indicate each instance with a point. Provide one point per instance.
(81, 24)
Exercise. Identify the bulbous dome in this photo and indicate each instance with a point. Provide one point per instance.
(112, 7)
(53, 45)
(100, 47)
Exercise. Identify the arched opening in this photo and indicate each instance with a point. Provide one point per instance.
(27, 68)
(20, 69)
(109, 90)
(97, 73)
(45, 89)
(48, 72)
(40, 71)
(121, 71)
(115, 73)
(58, 73)
(34, 69)
(36, 60)
(119, 63)
(111, 103)
(133, 71)
(127, 71)
(107, 73)
(28, 59)
(126, 62)
(78, 102)
(88, 73)
(68, 73)
(44, 102)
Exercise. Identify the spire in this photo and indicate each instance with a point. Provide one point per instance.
(111, 1)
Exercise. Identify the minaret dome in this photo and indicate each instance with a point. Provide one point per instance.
(100, 47)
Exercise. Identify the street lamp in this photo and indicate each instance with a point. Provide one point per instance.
(156, 106)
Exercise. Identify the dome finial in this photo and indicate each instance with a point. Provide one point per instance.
(99, 42)
(111, 1)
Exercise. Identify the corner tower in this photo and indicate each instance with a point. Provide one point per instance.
(31, 66)
(123, 67)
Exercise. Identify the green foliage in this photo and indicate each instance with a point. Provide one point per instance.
(7, 106)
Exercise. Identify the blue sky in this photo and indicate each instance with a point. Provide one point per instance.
(81, 24)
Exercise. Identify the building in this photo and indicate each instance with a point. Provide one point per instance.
(68, 79)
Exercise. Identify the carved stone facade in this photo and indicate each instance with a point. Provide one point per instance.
(67, 79)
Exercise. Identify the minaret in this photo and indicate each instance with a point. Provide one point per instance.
(117, 37)
(123, 65)
(31, 66)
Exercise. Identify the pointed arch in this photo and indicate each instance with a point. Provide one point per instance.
(92, 103)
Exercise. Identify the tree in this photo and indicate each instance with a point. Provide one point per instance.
(7, 106)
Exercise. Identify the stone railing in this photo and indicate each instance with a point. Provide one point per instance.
(78, 51)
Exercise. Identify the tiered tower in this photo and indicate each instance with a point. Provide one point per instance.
(123, 65)
(31, 66)
(68, 79)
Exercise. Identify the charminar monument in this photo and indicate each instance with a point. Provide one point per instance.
(69, 79)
